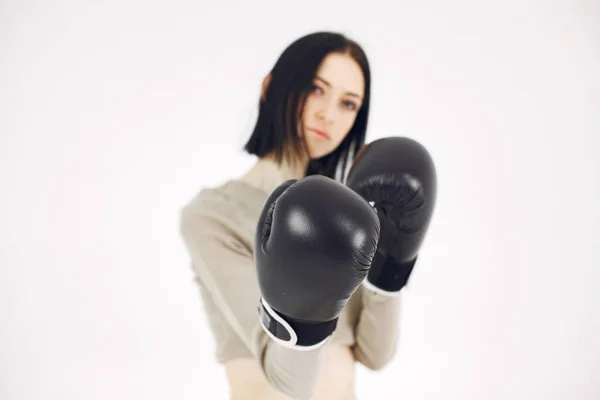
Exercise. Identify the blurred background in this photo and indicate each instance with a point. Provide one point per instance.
(114, 114)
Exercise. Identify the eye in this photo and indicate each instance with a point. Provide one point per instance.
(317, 89)
(350, 105)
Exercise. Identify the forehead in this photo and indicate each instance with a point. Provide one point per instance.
(342, 72)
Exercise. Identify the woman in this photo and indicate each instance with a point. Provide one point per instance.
(313, 114)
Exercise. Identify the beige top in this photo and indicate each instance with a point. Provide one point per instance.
(218, 227)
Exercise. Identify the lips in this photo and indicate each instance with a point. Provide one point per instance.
(319, 133)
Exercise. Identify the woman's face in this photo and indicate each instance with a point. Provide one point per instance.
(333, 104)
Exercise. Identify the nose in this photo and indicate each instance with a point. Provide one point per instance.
(327, 111)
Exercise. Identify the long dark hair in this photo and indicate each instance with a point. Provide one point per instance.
(291, 80)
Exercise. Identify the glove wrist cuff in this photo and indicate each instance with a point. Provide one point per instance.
(387, 276)
(292, 333)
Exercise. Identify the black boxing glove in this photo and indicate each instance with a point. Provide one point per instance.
(314, 244)
(397, 176)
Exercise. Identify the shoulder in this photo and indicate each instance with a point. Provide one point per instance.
(217, 227)
(233, 198)
(228, 210)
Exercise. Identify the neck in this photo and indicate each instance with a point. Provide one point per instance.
(266, 174)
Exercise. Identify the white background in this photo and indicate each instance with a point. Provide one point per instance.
(113, 114)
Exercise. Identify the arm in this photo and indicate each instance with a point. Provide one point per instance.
(377, 329)
(398, 177)
(227, 274)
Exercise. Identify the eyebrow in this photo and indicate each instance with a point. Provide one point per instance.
(329, 84)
